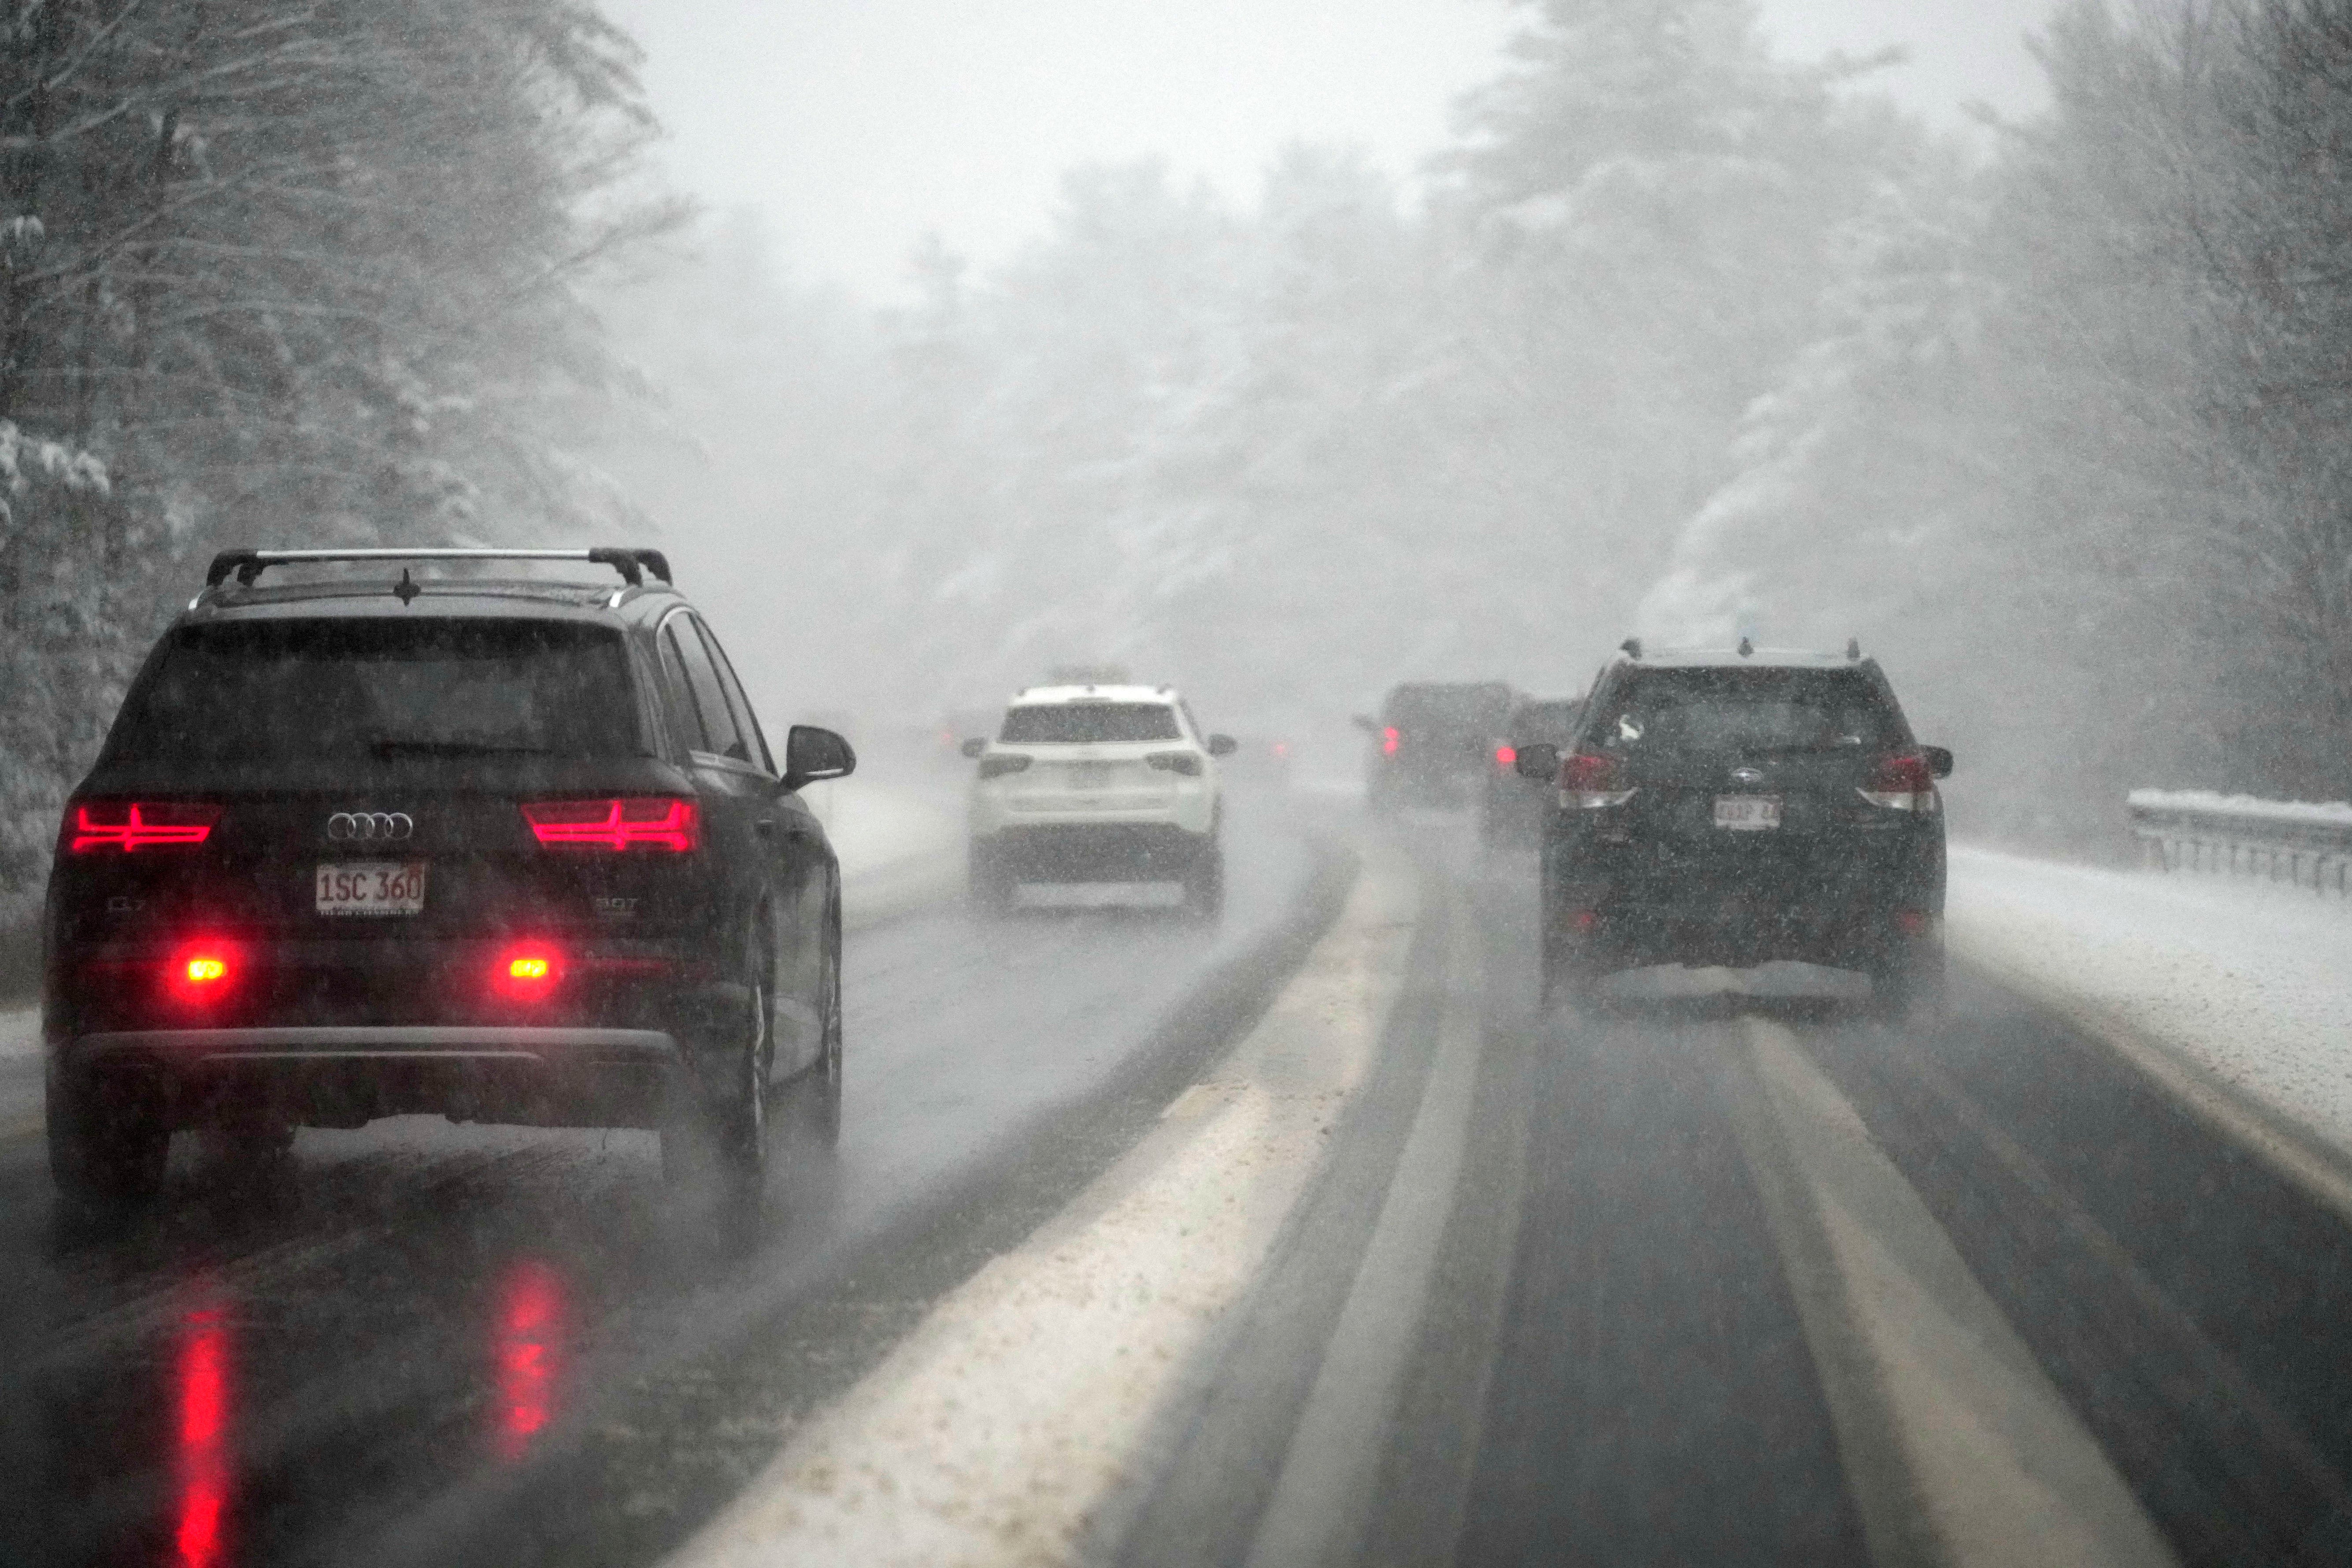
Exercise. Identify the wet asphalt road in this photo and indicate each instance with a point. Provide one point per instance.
(427, 1344)
(1613, 1368)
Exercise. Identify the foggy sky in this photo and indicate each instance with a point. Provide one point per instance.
(854, 128)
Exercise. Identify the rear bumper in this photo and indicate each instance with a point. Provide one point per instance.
(1847, 902)
(345, 1076)
(1097, 851)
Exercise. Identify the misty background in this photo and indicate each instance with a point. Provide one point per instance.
(1474, 338)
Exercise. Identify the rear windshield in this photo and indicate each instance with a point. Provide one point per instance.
(1749, 711)
(1476, 712)
(1074, 723)
(293, 690)
(1545, 720)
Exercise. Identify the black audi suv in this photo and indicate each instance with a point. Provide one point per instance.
(1736, 806)
(502, 848)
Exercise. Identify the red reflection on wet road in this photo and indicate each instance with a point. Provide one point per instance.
(202, 1457)
(529, 1326)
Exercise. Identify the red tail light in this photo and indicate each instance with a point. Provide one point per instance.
(1389, 741)
(142, 824)
(659, 822)
(202, 971)
(1506, 758)
(1902, 782)
(527, 971)
(1592, 781)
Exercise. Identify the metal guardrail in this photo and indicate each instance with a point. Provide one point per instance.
(2282, 841)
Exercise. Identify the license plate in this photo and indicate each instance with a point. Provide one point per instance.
(1747, 813)
(372, 888)
(1089, 775)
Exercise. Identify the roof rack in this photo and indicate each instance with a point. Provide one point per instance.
(248, 565)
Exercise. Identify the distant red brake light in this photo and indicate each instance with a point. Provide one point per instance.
(1592, 781)
(143, 825)
(1389, 741)
(1902, 782)
(660, 822)
(1507, 758)
(1907, 773)
(1588, 771)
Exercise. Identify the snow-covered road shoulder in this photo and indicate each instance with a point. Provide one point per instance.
(2244, 988)
(900, 848)
(997, 1429)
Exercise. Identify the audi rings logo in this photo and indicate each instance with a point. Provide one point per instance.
(369, 826)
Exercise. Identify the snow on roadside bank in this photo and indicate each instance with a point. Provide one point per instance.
(900, 847)
(2249, 982)
(874, 826)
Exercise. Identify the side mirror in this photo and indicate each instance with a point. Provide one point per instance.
(1939, 760)
(1223, 745)
(1539, 760)
(1365, 723)
(813, 755)
(973, 747)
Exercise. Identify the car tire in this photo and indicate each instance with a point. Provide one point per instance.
(1204, 885)
(1569, 976)
(718, 1127)
(104, 1153)
(819, 1097)
(254, 1140)
(1909, 984)
(991, 886)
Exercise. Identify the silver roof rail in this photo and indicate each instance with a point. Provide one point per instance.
(248, 565)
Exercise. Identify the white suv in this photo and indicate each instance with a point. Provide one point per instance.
(1098, 783)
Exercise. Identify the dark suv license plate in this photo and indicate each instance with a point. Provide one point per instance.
(1748, 813)
(370, 888)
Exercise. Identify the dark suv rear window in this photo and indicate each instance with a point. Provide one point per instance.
(1079, 723)
(1553, 722)
(1472, 710)
(291, 690)
(1735, 709)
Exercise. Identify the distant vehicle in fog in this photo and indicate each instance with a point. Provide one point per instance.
(1736, 806)
(1098, 783)
(1259, 762)
(1431, 743)
(506, 850)
(1514, 808)
(958, 723)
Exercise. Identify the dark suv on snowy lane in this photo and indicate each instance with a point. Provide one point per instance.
(502, 848)
(1431, 743)
(1736, 806)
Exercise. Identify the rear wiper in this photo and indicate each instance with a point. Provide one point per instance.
(388, 746)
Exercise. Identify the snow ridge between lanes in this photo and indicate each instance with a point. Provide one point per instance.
(998, 1428)
(2247, 985)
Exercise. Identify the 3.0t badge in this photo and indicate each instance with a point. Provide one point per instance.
(369, 826)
